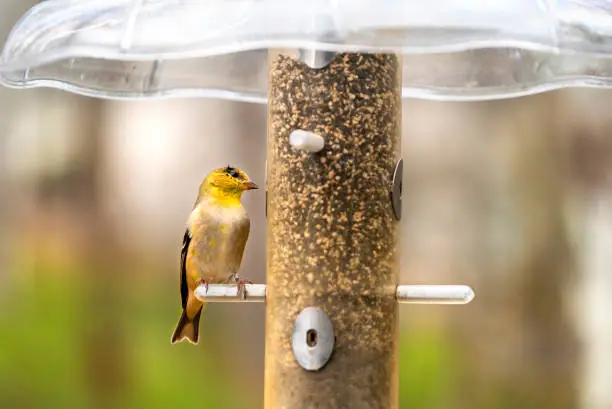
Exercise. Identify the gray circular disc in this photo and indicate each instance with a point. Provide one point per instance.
(312, 339)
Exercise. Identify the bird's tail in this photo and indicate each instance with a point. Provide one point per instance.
(187, 328)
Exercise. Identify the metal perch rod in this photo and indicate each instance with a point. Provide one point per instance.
(406, 294)
(230, 293)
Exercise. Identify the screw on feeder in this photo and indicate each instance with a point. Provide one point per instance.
(312, 337)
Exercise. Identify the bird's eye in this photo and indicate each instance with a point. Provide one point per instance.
(233, 173)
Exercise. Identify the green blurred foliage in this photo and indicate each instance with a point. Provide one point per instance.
(427, 368)
(57, 352)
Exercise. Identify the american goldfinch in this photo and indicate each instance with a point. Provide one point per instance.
(217, 232)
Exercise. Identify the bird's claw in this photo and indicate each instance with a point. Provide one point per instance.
(241, 284)
(205, 284)
(242, 288)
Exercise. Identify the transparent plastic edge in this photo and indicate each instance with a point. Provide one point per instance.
(545, 33)
(407, 92)
(540, 30)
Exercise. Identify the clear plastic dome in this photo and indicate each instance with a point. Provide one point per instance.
(452, 50)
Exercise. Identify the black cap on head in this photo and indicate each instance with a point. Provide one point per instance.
(231, 171)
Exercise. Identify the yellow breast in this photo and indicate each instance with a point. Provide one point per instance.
(218, 238)
(223, 217)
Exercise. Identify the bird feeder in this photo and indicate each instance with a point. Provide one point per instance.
(333, 74)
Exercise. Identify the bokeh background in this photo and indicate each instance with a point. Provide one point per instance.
(512, 197)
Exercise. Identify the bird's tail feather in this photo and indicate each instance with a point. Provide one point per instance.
(187, 328)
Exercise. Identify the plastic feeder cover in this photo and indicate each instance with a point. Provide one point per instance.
(452, 50)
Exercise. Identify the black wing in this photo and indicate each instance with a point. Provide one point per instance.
(184, 288)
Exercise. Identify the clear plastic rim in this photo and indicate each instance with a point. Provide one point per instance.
(217, 93)
(547, 36)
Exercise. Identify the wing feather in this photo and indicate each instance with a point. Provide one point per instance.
(183, 272)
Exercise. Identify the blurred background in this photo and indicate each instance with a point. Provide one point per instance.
(511, 197)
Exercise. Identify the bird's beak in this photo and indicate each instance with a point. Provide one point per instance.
(250, 185)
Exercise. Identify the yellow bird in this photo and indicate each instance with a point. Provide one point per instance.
(217, 232)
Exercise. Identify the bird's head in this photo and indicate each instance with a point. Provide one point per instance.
(226, 182)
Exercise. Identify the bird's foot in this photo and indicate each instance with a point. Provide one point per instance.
(241, 283)
(242, 287)
(205, 284)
